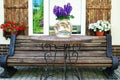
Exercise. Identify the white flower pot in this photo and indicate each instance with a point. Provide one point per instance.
(63, 29)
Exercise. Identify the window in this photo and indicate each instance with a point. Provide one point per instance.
(38, 22)
(42, 19)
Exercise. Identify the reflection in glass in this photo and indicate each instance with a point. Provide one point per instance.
(38, 16)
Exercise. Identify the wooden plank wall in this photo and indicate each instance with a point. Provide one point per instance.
(17, 10)
(116, 51)
(4, 49)
(97, 10)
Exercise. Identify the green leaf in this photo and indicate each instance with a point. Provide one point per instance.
(72, 16)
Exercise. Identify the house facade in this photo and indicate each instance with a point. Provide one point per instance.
(110, 12)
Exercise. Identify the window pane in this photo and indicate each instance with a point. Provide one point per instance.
(76, 12)
(38, 16)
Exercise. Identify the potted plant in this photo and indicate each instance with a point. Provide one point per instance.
(63, 13)
(10, 27)
(63, 28)
(100, 27)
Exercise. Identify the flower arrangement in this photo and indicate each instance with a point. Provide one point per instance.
(12, 27)
(100, 25)
(63, 13)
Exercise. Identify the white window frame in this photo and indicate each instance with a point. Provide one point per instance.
(83, 16)
(46, 18)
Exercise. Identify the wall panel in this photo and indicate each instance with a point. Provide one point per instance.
(96, 9)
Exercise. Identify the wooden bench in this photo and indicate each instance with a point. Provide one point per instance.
(25, 52)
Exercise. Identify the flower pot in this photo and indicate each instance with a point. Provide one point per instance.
(7, 35)
(63, 29)
(99, 33)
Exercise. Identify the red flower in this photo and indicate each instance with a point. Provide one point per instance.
(12, 27)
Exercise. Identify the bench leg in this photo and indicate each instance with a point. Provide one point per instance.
(8, 72)
(109, 72)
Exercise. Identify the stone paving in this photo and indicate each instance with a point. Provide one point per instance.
(34, 73)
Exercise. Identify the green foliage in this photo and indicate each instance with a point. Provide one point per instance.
(68, 17)
(37, 17)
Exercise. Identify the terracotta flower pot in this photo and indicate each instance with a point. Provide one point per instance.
(99, 33)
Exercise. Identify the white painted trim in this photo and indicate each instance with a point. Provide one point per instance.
(30, 17)
(1, 11)
(115, 20)
(46, 17)
(83, 21)
(2, 39)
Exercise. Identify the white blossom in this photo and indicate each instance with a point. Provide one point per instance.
(100, 25)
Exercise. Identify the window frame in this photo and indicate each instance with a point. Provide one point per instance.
(46, 18)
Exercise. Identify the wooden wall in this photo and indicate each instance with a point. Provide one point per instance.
(17, 10)
(97, 10)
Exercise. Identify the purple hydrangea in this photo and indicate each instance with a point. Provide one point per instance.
(63, 13)
(68, 8)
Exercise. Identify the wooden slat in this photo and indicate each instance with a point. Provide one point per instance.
(92, 44)
(80, 65)
(59, 53)
(31, 43)
(116, 51)
(81, 48)
(20, 37)
(4, 49)
(40, 60)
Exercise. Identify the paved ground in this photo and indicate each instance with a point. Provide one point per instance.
(33, 73)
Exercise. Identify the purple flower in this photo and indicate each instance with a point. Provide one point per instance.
(58, 11)
(63, 13)
(42, 22)
(68, 8)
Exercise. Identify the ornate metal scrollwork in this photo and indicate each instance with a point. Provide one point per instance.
(49, 57)
(73, 58)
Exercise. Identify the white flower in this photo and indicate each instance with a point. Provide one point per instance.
(100, 25)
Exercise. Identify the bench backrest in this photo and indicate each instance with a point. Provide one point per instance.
(95, 47)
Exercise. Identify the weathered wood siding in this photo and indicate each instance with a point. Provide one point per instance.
(97, 10)
(116, 51)
(17, 10)
(4, 49)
